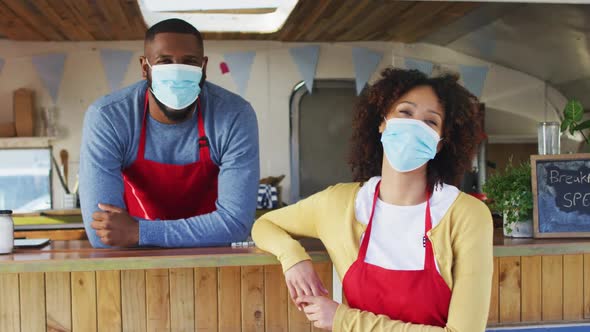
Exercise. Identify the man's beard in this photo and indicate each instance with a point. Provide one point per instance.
(170, 113)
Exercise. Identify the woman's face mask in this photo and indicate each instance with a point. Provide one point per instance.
(408, 144)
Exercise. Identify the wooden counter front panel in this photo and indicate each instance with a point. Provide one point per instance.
(225, 299)
(527, 289)
(540, 289)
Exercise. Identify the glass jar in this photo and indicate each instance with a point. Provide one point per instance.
(548, 134)
(6, 232)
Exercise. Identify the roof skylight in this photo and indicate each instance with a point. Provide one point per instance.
(261, 16)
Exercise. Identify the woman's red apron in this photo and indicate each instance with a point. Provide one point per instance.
(418, 297)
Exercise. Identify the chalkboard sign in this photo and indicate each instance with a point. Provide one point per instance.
(561, 190)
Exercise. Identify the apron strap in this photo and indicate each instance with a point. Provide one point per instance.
(203, 139)
(429, 262)
(141, 149)
(367, 236)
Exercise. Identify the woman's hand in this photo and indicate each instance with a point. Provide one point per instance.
(319, 309)
(302, 280)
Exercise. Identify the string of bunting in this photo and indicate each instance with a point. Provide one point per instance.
(50, 68)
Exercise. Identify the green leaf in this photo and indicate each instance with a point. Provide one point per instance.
(509, 192)
(583, 125)
(565, 124)
(573, 110)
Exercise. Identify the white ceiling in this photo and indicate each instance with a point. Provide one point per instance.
(548, 41)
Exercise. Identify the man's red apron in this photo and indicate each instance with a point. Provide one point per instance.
(419, 297)
(166, 191)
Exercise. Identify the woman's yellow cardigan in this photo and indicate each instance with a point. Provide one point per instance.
(462, 243)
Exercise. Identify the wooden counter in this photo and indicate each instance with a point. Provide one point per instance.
(69, 286)
(80, 256)
(504, 247)
(540, 281)
(70, 256)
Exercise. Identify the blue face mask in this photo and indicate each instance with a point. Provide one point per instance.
(176, 85)
(408, 144)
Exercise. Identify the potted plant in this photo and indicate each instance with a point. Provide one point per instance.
(509, 193)
(573, 115)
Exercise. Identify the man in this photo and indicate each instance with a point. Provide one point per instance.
(171, 161)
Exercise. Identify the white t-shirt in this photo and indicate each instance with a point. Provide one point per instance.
(396, 236)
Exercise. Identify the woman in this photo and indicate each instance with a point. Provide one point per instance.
(414, 253)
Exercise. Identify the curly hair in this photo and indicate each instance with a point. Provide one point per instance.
(462, 127)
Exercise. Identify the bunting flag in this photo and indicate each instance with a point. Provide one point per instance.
(306, 59)
(365, 63)
(50, 68)
(421, 65)
(115, 64)
(240, 65)
(1, 65)
(474, 78)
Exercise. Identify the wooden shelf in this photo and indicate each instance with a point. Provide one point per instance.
(509, 139)
(25, 142)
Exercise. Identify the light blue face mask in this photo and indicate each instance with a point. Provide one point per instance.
(176, 85)
(408, 144)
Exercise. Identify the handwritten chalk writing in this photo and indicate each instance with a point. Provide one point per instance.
(575, 199)
(556, 177)
(571, 188)
(561, 189)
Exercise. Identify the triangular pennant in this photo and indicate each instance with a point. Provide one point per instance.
(306, 59)
(115, 63)
(1, 65)
(421, 65)
(365, 63)
(474, 78)
(240, 65)
(50, 68)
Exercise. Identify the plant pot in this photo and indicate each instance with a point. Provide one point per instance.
(519, 229)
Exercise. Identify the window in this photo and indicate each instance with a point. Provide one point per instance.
(262, 16)
(321, 127)
(25, 180)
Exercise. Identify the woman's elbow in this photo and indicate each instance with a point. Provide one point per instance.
(259, 229)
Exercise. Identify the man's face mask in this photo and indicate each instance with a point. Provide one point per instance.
(176, 85)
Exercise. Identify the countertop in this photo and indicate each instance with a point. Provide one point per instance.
(80, 256)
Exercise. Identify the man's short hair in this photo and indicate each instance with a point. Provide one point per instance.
(174, 25)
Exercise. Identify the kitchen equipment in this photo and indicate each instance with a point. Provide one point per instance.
(32, 243)
(7, 129)
(63, 155)
(6, 232)
(59, 175)
(69, 201)
(24, 115)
